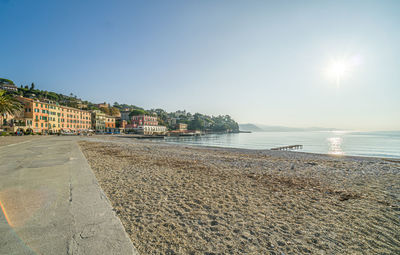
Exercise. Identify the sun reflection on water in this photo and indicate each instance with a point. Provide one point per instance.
(335, 145)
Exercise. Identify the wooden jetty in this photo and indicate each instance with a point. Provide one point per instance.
(289, 147)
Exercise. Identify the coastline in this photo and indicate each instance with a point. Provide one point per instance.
(354, 157)
(320, 142)
(194, 199)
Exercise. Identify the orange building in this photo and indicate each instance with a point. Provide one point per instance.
(35, 115)
(49, 117)
(73, 119)
(110, 123)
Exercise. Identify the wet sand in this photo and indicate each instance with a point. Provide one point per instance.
(176, 199)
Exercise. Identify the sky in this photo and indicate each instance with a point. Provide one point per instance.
(292, 63)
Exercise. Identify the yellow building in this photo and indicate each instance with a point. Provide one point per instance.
(54, 118)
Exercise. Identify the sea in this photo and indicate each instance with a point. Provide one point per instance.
(385, 144)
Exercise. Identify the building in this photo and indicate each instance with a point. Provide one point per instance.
(125, 115)
(54, 118)
(75, 120)
(50, 117)
(144, 120)
(144, 124)
(8, 86)
(172, 121)
(6, 122)
(81, 105)
(181, 127)
(102, 105)
(120, 125)
(110, 124)
(98, 121)
(35, 114)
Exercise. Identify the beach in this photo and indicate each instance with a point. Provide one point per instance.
(179, 199)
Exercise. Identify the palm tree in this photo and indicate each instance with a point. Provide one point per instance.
(9, 104)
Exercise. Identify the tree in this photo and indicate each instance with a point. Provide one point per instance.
(32, 86)
(114, 111)
(105, 110)
(9, 104)
(7, 81)
(137, 112)
(26, 86)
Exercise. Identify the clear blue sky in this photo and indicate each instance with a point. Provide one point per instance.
(259, 61)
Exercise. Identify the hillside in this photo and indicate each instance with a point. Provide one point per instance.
(197, 121)
(249, 127)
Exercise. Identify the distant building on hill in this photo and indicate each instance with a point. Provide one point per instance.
(8, 86)
(102, 105)
(81, 105)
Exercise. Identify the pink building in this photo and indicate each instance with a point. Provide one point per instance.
(144, 120)
(144, 124)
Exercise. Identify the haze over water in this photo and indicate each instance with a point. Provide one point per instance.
(371, 144)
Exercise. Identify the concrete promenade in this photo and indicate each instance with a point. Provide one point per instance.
(51, 202)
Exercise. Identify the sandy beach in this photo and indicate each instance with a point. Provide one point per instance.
(176, 199)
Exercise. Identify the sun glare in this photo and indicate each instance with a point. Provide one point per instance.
(340, 68)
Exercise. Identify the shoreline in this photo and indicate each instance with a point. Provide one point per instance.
(358, 157)
(378, 150)
(193, 199)
(316, 153)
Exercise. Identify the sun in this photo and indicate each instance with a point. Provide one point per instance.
(340, 68)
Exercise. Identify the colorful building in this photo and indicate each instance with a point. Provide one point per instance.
(75, 120)
(50, 117)
(110, 124)
(144, 120)
(35, 115)
(144, 124)
(98, 121)
(54, 118)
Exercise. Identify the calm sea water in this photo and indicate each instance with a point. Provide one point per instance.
(373, 144)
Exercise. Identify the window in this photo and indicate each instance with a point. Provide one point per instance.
(41, 124)
(36, 124)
